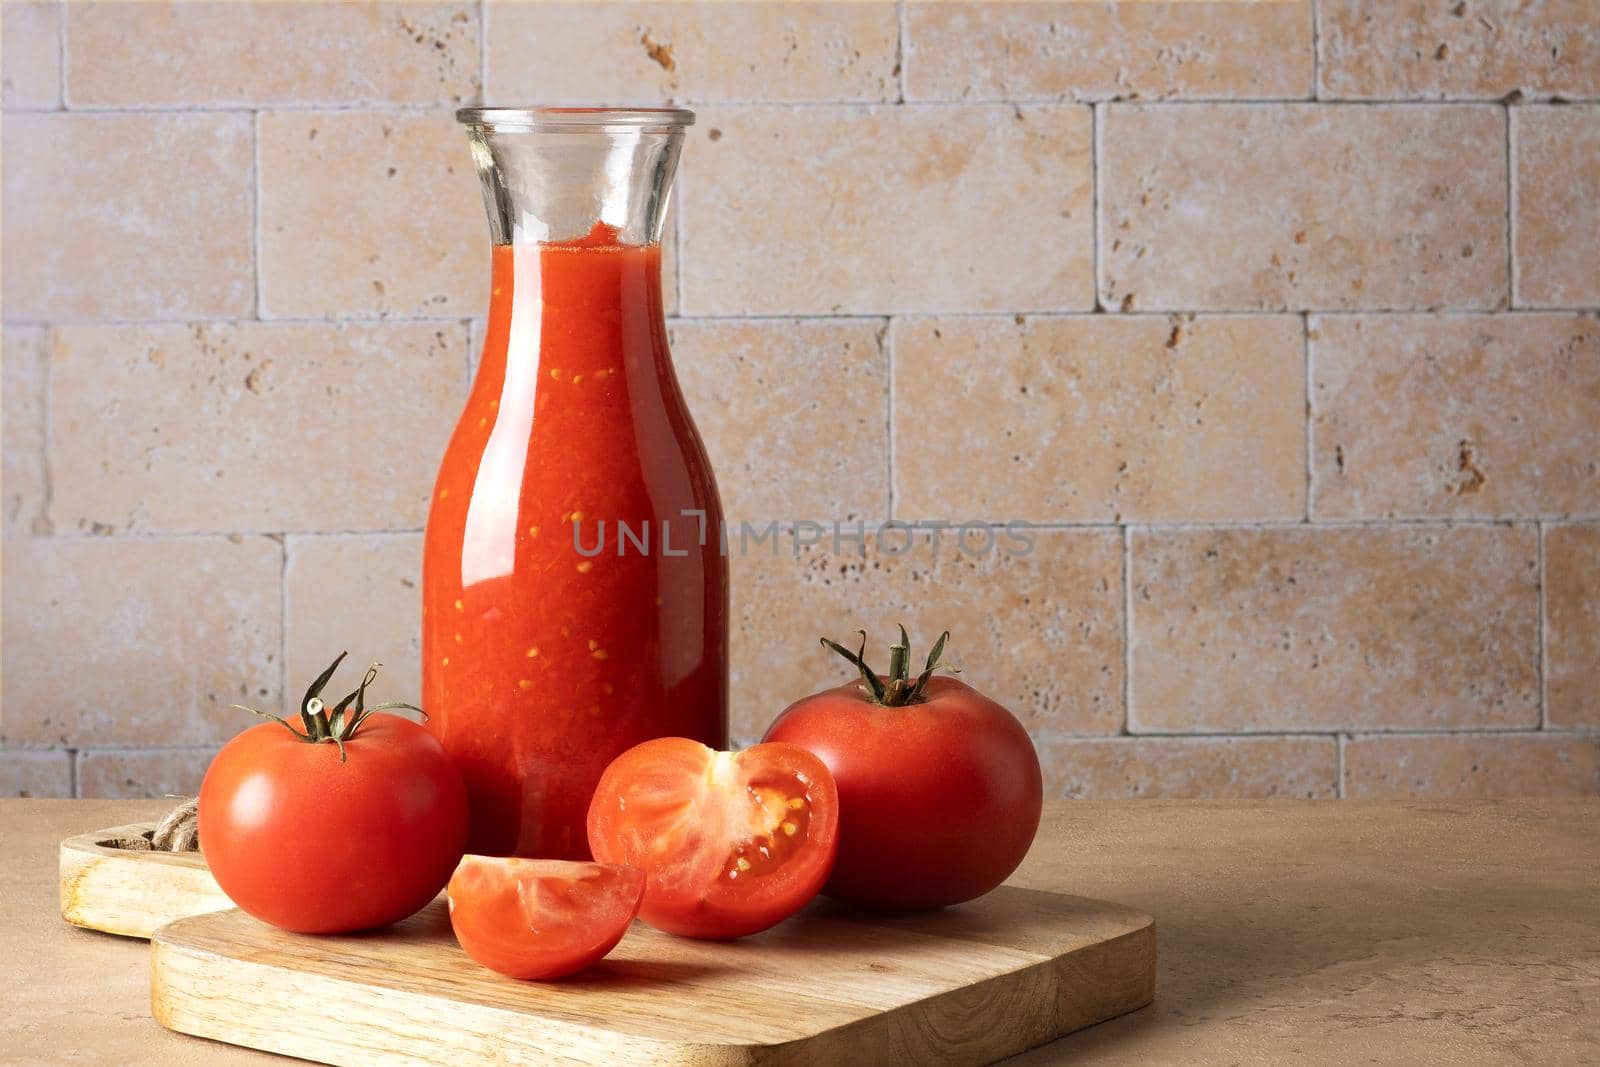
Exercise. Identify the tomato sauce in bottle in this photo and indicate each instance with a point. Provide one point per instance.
(574, 587)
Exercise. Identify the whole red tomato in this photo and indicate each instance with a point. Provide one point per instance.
(356, 822)
(939, 786)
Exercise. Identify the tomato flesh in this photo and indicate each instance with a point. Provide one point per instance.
(541, 919)
(730, 842)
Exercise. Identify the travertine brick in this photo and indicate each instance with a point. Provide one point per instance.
(210, 54)
(1174, 767)
(22, 416)
(1299, 628)
(793, 413)
(161, 772)
(1041, 633)
(30, 53)
(254, 426)
(127, 216)
(634, 53)
(1270, 206)
(1377, 49)
(1100, 418)
(370, 213)
(356, 594)
(1471, 765)
(1078, 51)
(1572, 625)
(35, 774)
(1471, 415)
(138, 642)
(887, 209)
(1557, 211)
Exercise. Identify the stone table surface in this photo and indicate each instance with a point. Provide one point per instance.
(1289, 931)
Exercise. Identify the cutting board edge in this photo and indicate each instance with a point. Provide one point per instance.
(169, 1007)
(1138, 944)
(1141, 944)
(1067, 992)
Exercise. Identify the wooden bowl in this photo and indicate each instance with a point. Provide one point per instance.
(129, 892)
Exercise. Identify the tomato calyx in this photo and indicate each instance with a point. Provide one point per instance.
(899, 690)
(339, 725)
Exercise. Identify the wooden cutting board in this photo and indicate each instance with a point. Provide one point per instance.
(121, 891)
(968, 985)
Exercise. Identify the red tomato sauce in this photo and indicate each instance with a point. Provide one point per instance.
(541, 664)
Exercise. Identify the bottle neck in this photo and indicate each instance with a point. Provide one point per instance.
(575, 200)
(586, 186)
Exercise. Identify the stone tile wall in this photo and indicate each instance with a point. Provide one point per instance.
(1278, 319)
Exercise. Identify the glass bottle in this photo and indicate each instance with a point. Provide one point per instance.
(543, 657)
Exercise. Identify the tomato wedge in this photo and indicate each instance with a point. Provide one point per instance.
(541, 918)
(730, 842)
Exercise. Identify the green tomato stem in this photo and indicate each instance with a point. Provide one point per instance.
(899, 690)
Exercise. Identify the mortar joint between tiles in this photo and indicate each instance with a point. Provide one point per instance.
(900, 52)
(366, 318)
(1316, 57)
(1097, 121)
(483, 52)
(283, 617)
(1127, 630)
(255, 214)
(61, 61)
(1511, 206)
(445, 106)
(1310, 424)
(887, 340)
(43, 525)
(1541, 631)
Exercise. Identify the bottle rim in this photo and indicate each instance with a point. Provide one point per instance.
(536, 119)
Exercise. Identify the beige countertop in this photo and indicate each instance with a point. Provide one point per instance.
(1304, 931)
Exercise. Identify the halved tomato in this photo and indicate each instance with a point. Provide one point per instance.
(541, 918)
(730, 842)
